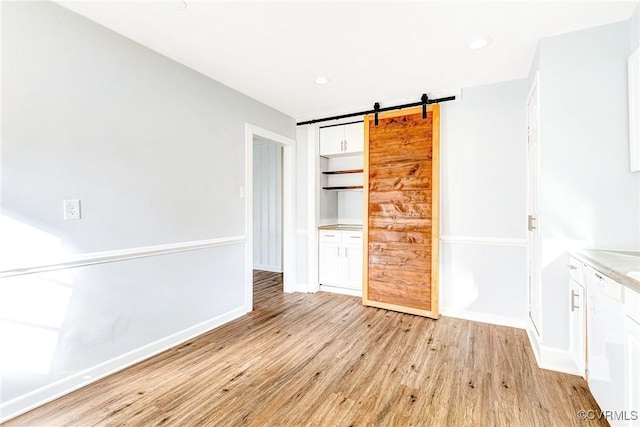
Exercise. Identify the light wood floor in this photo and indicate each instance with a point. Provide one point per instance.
(326, 360)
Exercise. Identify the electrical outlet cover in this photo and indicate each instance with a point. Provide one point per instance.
(71, 209)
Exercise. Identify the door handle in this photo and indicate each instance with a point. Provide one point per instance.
(346, 252)
(573, 301)
(530, 222)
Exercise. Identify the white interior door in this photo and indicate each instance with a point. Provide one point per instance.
(533, 233)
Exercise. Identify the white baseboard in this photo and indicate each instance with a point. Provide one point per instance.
(271, 268)
(32, 400)
(476, 316)
(550, 358)
(302, 287)
(343, 291)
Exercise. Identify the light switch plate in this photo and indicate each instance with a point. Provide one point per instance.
(71, 209)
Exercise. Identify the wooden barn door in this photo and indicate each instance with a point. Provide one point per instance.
(401, 228)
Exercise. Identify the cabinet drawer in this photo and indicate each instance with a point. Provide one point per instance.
(576, 270)
(330, 236)
(351, 237)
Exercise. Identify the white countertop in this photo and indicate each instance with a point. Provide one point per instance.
(341, 227)
(621, 266)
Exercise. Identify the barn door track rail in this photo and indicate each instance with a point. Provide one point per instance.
(424, 101)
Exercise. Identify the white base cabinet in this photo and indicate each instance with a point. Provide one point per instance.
(577, 316)
(605, 348)
(632, 366)
(577, 326)
(605, 321)
(632, 353)
(340, 259)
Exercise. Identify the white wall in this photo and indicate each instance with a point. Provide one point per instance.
(350, 206)
(483, 204)
(58, 324)
(634, 29)
(152, 148)
(302, 206)
(267, 207)
(588, 196)
(155, 152)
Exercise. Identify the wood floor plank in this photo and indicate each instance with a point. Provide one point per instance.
(325, 360)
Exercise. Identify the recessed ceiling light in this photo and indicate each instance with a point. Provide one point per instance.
(479, 43)
(322, 80)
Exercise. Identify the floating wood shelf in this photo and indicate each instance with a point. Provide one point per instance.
(344, 187)
(342, 171)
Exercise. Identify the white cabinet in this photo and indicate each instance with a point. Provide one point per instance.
(340, 260)
(611, 313)
(577, 324)
(329, 262)
(342, 139)
(632, 350)
(353, 261)
(577, 316)
(331, 140)
(577, 345)
(354, 138)
(632, 364)
(605, 344)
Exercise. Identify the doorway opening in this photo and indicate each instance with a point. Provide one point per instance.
(269, 202)
(267, 206)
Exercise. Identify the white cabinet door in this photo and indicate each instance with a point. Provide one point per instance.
(353, 266)
(632, 365)
(342, 140)
(632, 351)
(340, 259)
(354, 138)
(577, 345)
(329, 264)
(331, 140)
(605, 345)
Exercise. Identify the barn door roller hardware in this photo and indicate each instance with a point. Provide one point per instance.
(376, 108)
(424, 98)
(424, 101)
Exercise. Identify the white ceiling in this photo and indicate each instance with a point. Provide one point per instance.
(390, 52)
